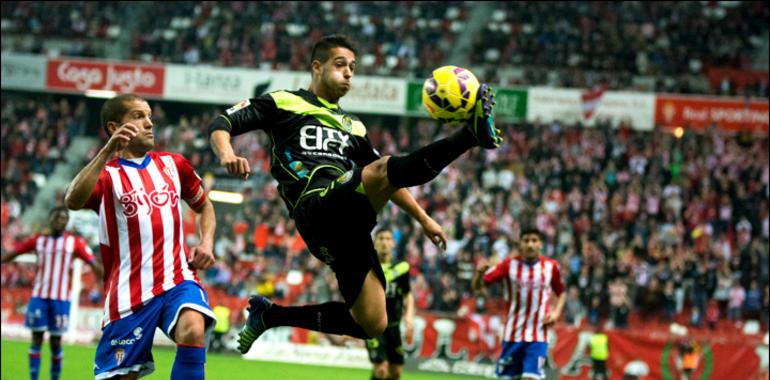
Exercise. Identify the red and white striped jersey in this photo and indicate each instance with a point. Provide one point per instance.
(140, 228)
(54, 263)
(528, 288)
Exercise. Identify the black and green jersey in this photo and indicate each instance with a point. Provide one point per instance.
(313, 142)
(396, 288)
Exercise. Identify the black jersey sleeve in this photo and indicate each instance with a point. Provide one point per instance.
(247, 115)
(365, 152)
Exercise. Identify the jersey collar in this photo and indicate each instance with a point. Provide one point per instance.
(132, 164)
(325, 103)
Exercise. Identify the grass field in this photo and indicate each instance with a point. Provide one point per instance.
(78, 365)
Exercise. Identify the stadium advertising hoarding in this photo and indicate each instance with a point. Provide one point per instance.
(511, 103)
(471, 346)
(81, 75)
(204, 84)
(698, 112)
(23, 72)
(569, 106)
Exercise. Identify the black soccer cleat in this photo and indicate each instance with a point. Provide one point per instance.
(481, 125)
(255, 325)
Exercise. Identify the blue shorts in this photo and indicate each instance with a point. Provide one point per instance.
(48, 315)
(126, 344)
(520, 359)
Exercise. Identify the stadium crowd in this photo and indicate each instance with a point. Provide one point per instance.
(658, 46)
(641, 222)
(34, 137)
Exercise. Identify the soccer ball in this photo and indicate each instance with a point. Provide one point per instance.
(450, 94)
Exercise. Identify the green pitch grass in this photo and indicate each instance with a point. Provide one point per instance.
(79, 360)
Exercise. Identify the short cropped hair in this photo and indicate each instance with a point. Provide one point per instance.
(531, 230)
(322, 48)
(115, 108)
(380, 230)
(57, 209)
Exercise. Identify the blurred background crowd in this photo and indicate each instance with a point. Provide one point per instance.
(640, 221)
(643, 223)
(657, 46)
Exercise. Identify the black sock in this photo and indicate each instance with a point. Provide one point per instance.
(330, 317)
(426, 163)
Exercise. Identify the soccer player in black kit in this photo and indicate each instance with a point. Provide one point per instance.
(334, 183)
(386, 351)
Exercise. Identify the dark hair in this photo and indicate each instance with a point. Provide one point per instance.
(531, 230)
(57, 209)
(323, 47)
(381, 230)
(114, 109)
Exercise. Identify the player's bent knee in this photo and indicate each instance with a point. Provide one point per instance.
(375, 174)
(375, 327)
(381, 371)
(191, 328)
(191, 335)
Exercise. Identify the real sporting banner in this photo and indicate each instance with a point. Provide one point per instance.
(511, 102)
(699, 112)
(80, 75)
(23, 72)
(569, 106)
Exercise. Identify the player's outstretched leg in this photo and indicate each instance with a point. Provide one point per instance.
(426, 163)
(329, 317)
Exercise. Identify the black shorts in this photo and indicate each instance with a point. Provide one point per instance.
(336, 225)
(387, 346)
(599, 367)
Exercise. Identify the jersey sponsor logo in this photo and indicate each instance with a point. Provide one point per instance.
(525, 284)
(315, 138)
(345, 178)
(130, 341)
(241, 105)
(137, 198)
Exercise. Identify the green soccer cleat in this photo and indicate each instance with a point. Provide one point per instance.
(481, 124)
(255, 326)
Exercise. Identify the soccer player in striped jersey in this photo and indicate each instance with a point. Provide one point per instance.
(49, 307)
(529, 280)
(150, 272)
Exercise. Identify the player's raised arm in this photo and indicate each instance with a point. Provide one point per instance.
(81, 188)
(248, 115)
(235, 165)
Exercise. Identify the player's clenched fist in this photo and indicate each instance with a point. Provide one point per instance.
(200, 257)
(237, 166)
(122, 136)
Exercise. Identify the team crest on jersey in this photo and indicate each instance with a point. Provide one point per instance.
(169, 172)
(120, 354)
(347, 123)
(241, 105)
